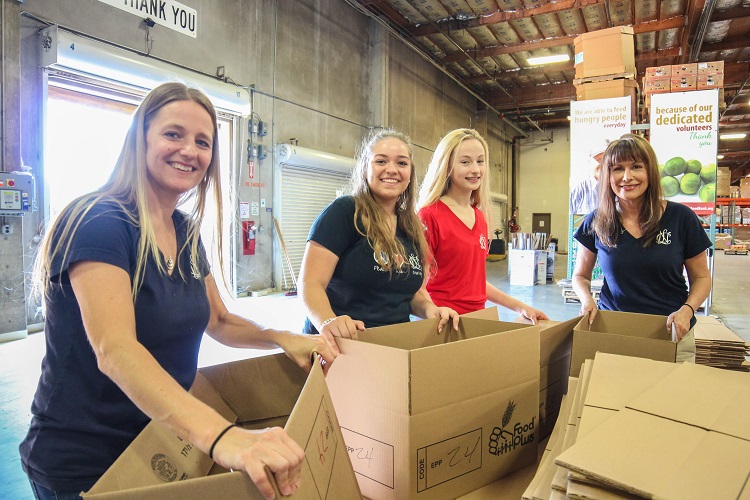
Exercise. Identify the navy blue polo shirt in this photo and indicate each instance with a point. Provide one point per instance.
(82, 421)
(648, 280)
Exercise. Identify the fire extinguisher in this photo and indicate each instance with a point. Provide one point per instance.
(248, 240)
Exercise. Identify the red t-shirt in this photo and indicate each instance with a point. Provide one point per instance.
(460, 280)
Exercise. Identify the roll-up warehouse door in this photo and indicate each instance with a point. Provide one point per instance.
(305, 192)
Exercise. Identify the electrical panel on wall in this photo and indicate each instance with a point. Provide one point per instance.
(17, 193)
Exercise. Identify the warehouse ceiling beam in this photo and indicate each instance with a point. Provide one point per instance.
(546, 43)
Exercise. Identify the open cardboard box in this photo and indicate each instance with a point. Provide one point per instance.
(437, 415)
(257, 393)
(627, 334)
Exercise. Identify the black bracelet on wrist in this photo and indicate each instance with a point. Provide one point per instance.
(691, 307)
(221, 435)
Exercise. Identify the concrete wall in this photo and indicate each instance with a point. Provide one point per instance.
(544, 182)
(321, 73)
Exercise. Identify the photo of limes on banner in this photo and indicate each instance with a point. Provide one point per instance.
(688, 177)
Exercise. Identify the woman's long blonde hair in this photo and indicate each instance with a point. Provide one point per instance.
(374, 220)
(606, 223)
(127, 187)
(437, 180)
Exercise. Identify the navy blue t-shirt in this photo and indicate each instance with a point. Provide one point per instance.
(82, 421)
(648, 280)
(360, 287)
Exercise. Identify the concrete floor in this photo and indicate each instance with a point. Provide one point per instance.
(20, 360)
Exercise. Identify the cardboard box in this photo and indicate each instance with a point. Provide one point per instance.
(604, 52)
(684, 83)
(684, 437)
(428, 415)
(710, 68)
(527, 267)
(659, 71)
(257, 393)
(627, 334)
(745, 188)
(715, 81)
(622, 87)
(690, 69)
(657, 85)
(723, 179)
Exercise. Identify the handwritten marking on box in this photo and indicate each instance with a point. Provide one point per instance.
(449, 459)
(370, 458)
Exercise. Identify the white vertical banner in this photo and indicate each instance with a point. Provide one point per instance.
(593, 125)
(684, 135)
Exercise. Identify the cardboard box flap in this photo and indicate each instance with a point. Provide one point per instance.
(275, 380)
(709, 398)
(157, 455)
(649, 326)
(377, 372)
(443, 375)
(556, 339)
(203, 390)
(228, 485)
(411, 335)
(490, 313)
(616, 380)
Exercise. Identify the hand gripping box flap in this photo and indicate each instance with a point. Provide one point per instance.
(252, 392)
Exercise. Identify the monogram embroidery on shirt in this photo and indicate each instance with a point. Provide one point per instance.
(663, 238)
(483, 242)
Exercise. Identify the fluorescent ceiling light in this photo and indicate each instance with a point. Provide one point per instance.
(719, 157)
(536, 61)
(732, 136)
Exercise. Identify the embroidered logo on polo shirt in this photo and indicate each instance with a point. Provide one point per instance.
(482, 242)
(663, 238)
(415, 263)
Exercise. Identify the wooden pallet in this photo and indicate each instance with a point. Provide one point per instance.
(570, 296)
(734, 251)
(604, 78)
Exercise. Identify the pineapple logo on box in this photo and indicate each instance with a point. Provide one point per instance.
(504, 441)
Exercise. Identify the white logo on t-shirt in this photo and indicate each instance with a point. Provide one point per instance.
(663, 238)
(482, 242)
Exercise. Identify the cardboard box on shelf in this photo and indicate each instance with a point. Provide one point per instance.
(604, 52)
(684, 83)
(745, 187)
(705, 82)
(428, 415)
(723, 179)
(657, 85)
(658, 71)
(627, 334)
(710, 68)
(256, 393)
(622, 87)
(690, 69)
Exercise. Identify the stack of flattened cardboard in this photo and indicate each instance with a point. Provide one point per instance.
(655, 430)
(718, 346)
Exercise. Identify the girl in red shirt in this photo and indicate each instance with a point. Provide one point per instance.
(453, 205)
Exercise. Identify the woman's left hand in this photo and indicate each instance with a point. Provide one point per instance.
(681, 319)
(300, 349)
(535, 315)
(445, 314)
